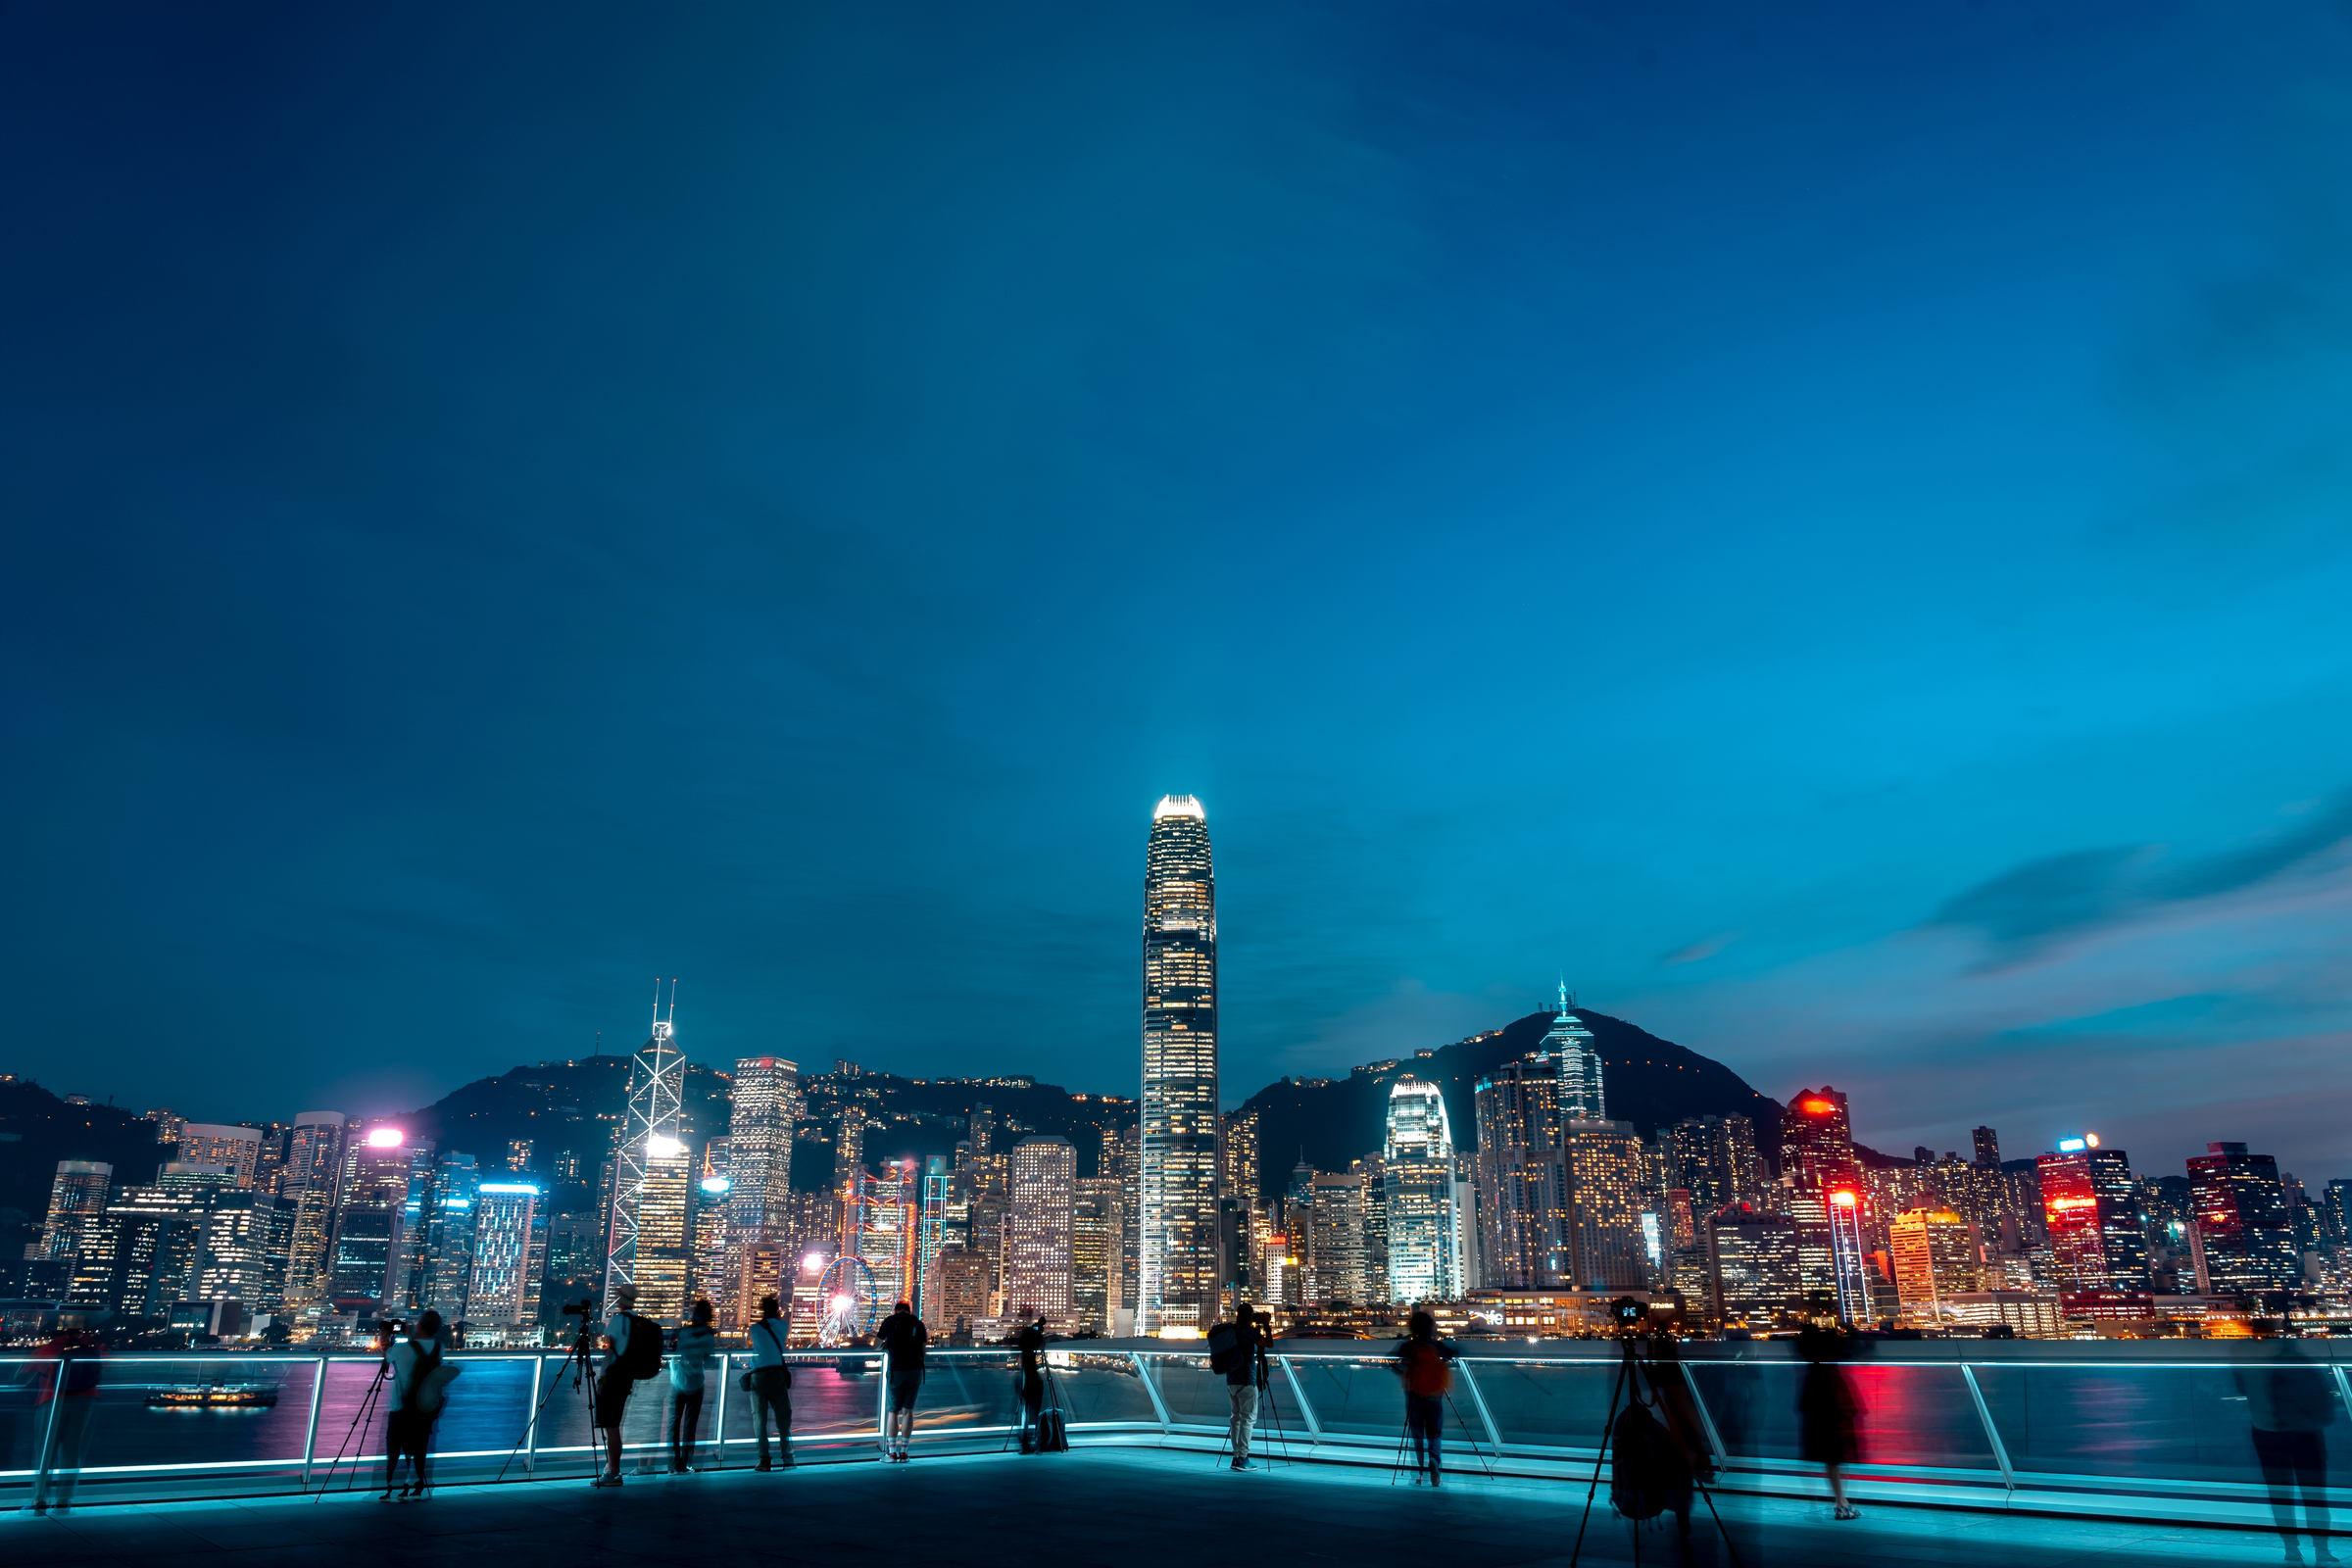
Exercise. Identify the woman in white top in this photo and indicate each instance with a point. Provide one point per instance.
(686, 1369)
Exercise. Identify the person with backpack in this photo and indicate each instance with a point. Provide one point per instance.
(902, 1337)
(415, 1375)
(633, 1347)
(686, 1373)
(1425, 1367)
(1238, 1349)
(770, 1382)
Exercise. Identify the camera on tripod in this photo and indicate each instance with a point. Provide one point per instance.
(583, 1309)
(1627, 1314)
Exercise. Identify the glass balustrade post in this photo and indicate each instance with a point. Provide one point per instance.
(726, 1375)
(1992, 1435)
(1706, 1418)
(310, 1436)
(57, 1401)
(1158, 1406)
(1306, 1411)
(1479, 1400)
(531, 1430)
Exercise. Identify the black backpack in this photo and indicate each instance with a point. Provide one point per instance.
(1648, 1474)
(643, 1358)
(1224, 1348)
(1053, 1433)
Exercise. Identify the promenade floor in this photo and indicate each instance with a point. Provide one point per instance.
(1115, 1507)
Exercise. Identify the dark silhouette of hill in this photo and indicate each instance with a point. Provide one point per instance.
(563, 1108)
(38, 1129)
(1647, 1081)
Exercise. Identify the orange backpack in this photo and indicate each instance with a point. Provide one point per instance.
(1426, 1374)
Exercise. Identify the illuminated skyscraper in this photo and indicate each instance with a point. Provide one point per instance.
(2247, 1237)
(929, 1237)
(1751, 1260)
(1935, 1255)
(243, 1250)
(764, 1105)
(1521, 1176)
(1602, 1242)
(1036, 1226)
(1570, 1044)
(1179, 1265)
(1817, 1141)
(363, 1261)
(509, 1254)
(2090, 1208)
(653, 1175)
(203, 1143)
(1713, 1159)
(311, 1180)
(1097, 1225)
(1334, 1249)
(77, 1197)
(1988, 1147)
(1417, 1170)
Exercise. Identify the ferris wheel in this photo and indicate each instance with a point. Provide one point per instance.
(850, 1301)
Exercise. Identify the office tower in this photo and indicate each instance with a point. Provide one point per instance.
(1097, 1222)
(518, 1154)
(1569, 1044)
(508, 1256)
(1602, 1240)
(77, 1197)
(1937, 1253)
(2242, 1225)
(1417, 1170)
(312, 1179)
(1036, 1226)
(2332, 1206)
(1988, 1147)
(764, 1107)
(877, 1226)
(1713, 1159)
(1746, 1164)
(1181, 1269)
(203, 1143)
(575, 1268)
(963, 1288)
(929, 1237)
(166, 1126)
(364, 1255)
(1469, 1256)
(715, 1277)
(241, 1250)
(436, 1233)
(270, 1164)
(1335, 1248)
(653, 1173)
(1238, 1176)
(2090, 1212)
(141, 1254)
(1520, 1173)
(1753, 1269)
(1817, 1144)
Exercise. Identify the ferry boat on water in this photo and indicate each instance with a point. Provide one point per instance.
(213, 1396)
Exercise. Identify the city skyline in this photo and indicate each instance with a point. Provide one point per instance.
(1826, 529)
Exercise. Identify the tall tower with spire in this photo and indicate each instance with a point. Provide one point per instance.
(1570, 1044)
(1181, 1270)
(652, 1176)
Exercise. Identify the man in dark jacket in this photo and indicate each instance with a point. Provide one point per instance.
(1244, 1378)
(901, 1338)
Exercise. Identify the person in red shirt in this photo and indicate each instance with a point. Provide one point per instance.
(73, 1388)
(1425, 1367)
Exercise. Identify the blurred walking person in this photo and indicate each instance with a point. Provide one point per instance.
(1422, 1363)
(73, 1390)
(1826, 1409)
(413, 1376)
(1031, 1383)
(687, 1368)
(2291, 1404)
(770, 1382)
(902, 1337)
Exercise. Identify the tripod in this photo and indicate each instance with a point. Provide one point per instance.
(1629, 1375)
(1264, 1383)
(581, 1364)
(375, 1388)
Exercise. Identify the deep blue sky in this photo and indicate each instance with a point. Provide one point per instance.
(1826, 525)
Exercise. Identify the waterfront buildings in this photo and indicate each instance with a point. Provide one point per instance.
(365, 1252)
(1520, 1175)
(1751, 1260)
(239, 1148)
(1570, 1044)
(78, 1196)
(1603, 1241)
(2090, 1212)
(1180, 1267)
(1935, 1257)
(311, 1177)
(508, 1256)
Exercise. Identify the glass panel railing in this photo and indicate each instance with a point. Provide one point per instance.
(205, 1420)
(2181, 1421)
(1193, 1394)
(1538, 1404)
(1350, 1397)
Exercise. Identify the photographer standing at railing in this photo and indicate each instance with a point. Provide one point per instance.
(634, 1347)
(416, 1375)
(769, 1381)
(686, 1376)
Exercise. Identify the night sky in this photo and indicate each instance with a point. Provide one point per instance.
(1829, 526)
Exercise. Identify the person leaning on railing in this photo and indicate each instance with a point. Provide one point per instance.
(687, 1366)
(770, 1382)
